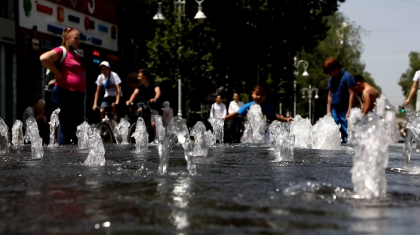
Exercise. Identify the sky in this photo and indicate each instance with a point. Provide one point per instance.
(393, 31)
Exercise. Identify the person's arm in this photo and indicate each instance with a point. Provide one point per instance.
(133, 96)
(95, 102)
(329, 103)
(283, 119)
(412, 92)
(231, 116)
(368, 105)
(211, 111)
(48, 59)
(352, 92)
(360, 101)
(157, 91)
(117, 99)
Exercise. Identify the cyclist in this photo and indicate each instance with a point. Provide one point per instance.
(111, 82)
(148, 92)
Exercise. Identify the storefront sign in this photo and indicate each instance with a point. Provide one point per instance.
(53, 16)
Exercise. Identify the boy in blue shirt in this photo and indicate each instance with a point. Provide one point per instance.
(258, 95)
(342, 94)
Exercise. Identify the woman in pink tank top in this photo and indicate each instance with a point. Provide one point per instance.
(70, 86)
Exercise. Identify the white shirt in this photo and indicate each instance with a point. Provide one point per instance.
(416, 77)
(110, 88)
(233, 106)
(218, 111)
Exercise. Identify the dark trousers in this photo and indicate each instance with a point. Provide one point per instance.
(236, 129)
(71, 104)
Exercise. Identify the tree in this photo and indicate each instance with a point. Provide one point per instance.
(343, 42)
(242, 42)
(406, 80)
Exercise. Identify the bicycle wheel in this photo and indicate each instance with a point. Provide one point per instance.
(131, 130)
(105, 132)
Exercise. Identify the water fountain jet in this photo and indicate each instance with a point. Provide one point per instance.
(54, 122)
(96, 156)
(17, 133)
(4, 138)
(121, 131)
(32, 134)
(282, 141)
(141, 136)
(82, 135)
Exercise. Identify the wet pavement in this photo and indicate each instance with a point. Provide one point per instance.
(239, 189)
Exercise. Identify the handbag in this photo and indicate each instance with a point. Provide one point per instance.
(49, 76)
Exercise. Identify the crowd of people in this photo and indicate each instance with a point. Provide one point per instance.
(70, 85)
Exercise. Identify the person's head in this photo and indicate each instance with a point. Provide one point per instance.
(39, 105)
(360, 80)
(236, 97)
(132, 80)
(143, 75)
(258, 94)
(70, 38)
(105, 68)
(218, 99)
(332, 67)
(166, 104)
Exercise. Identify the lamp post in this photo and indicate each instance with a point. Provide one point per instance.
(309, 91)
(296, 73)
(180, 8)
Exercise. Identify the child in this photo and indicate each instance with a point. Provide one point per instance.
(369, 94)
(258, 95)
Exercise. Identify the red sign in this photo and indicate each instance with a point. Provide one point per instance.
(105, 10)
(96, 53)
(60, 14)
(44, 9)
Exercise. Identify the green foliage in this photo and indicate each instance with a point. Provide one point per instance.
(406, 80)
(343, 42)
(242, 42)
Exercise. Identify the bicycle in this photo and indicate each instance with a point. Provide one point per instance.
(136, 111)
(107, 125)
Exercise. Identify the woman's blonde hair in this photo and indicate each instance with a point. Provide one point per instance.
(64, 36)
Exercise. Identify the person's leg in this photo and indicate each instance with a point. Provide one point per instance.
(61, 99)
(340, 119)
(153, 121)
(104, 104)
(343, 122)
(54, 97)
(234, 127)
(79, 113)
(71, 115)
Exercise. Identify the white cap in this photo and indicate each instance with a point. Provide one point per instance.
(104, 63)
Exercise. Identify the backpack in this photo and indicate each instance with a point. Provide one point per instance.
(49, 78)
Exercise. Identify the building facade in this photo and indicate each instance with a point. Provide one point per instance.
(32, 27)
(8, 78)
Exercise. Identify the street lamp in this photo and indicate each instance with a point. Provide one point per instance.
(180, 8)
(296, 73)
(309, 91)
(159, 16)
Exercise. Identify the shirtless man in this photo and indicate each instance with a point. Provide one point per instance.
(369, 94)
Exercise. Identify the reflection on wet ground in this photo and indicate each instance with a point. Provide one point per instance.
(238, 190)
